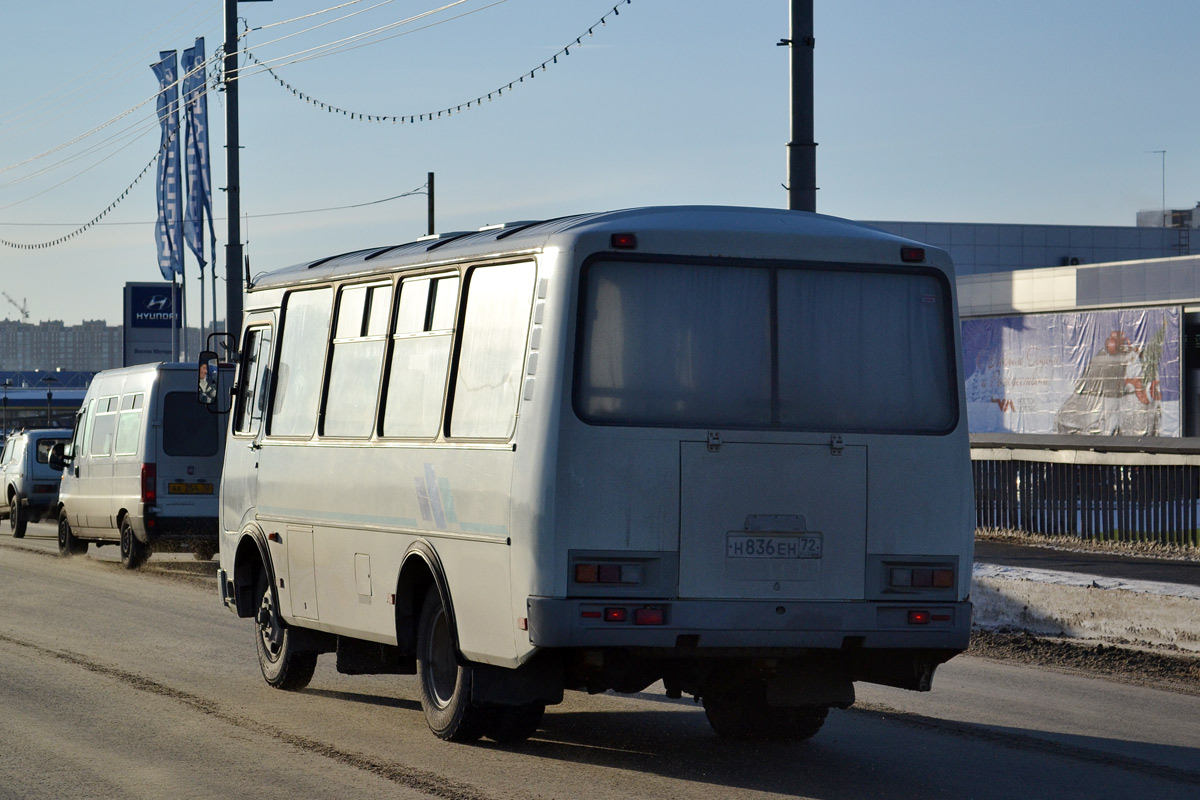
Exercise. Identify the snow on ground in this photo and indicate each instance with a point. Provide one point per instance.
(1087, 607)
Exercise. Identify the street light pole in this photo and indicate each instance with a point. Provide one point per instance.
(49, 380)
(233, 188)
(802, 150)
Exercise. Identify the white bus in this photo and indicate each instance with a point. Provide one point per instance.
(721, 448)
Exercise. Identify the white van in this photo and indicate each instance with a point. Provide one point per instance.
(143, 466)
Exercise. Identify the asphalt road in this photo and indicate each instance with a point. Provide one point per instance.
(141, 685)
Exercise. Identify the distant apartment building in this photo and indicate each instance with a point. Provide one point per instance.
(91, 346)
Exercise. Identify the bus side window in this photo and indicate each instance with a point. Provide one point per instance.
(301, 367)
(357, 360)
(421, 342)
(254, 379)
(495, 330)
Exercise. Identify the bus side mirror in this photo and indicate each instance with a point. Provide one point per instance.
(209, 374)
(58, 459)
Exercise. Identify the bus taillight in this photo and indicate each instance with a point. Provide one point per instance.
(648, 616)
(608, 573)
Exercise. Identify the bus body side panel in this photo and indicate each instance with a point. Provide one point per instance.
(386, 497)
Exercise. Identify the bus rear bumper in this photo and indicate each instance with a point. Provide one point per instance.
(740, 624)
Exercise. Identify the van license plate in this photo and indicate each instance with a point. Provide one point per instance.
(743, 545)
(189, 488)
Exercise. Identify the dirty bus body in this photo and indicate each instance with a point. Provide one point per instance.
(722, 448)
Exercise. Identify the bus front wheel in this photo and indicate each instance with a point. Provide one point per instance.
(282, 666)
(445, 681)
(748, 716)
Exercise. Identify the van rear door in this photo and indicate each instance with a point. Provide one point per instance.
(189, 455)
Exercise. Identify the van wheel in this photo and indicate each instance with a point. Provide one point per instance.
(18, 517)
(445, 681)
(282, 666)
(68, 545)
(133, 552)
(749, 717)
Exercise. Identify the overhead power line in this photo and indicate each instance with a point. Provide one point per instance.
(422, 189)
(96, 219)
(432, 115)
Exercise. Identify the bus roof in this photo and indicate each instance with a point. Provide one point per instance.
(709, 226)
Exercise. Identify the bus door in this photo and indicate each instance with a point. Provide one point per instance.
(239, 484)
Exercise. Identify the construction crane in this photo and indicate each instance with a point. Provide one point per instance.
(23, 307)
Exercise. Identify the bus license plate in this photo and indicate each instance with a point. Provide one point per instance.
(189, 488)
(744, 545)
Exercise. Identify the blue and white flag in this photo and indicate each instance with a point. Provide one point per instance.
(199, 177)
(168, 230)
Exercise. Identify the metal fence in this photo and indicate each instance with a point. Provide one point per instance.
(1112, 489)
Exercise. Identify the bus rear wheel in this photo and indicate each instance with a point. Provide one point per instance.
(444, 679)
(748, 717)
(282, 665)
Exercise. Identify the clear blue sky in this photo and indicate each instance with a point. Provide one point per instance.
(933, 110)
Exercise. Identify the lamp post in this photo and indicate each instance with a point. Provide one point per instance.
(49, 380)
(6, 384)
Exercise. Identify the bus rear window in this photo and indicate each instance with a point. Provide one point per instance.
(788, 347)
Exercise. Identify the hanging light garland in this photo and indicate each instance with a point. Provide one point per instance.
(96, 219)
(432, 115)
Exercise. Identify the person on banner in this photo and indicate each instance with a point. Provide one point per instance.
(1095, 406)
(1141, 404)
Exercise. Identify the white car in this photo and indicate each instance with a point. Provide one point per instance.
(30, 484)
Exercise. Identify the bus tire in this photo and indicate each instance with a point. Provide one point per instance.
(513, 723)
(444, 679)
(68, 545)
(18, 517)
(748, 717)
(282, 666)
(133, 552)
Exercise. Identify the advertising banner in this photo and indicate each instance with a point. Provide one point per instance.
(168, 230)
(1090, 372)
(199, 179)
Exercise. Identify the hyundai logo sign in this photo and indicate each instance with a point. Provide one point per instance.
(150, 306)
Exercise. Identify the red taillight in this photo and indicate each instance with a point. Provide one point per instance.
(648, 616)
(918, 618)
(615, 615)
(912, 255)
(149, 482)
(624, 241)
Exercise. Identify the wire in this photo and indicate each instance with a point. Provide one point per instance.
(109, 123)
(96, 219)
(428, 116)
(422, 189)
(363, 34)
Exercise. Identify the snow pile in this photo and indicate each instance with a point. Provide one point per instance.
(1087, 607)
